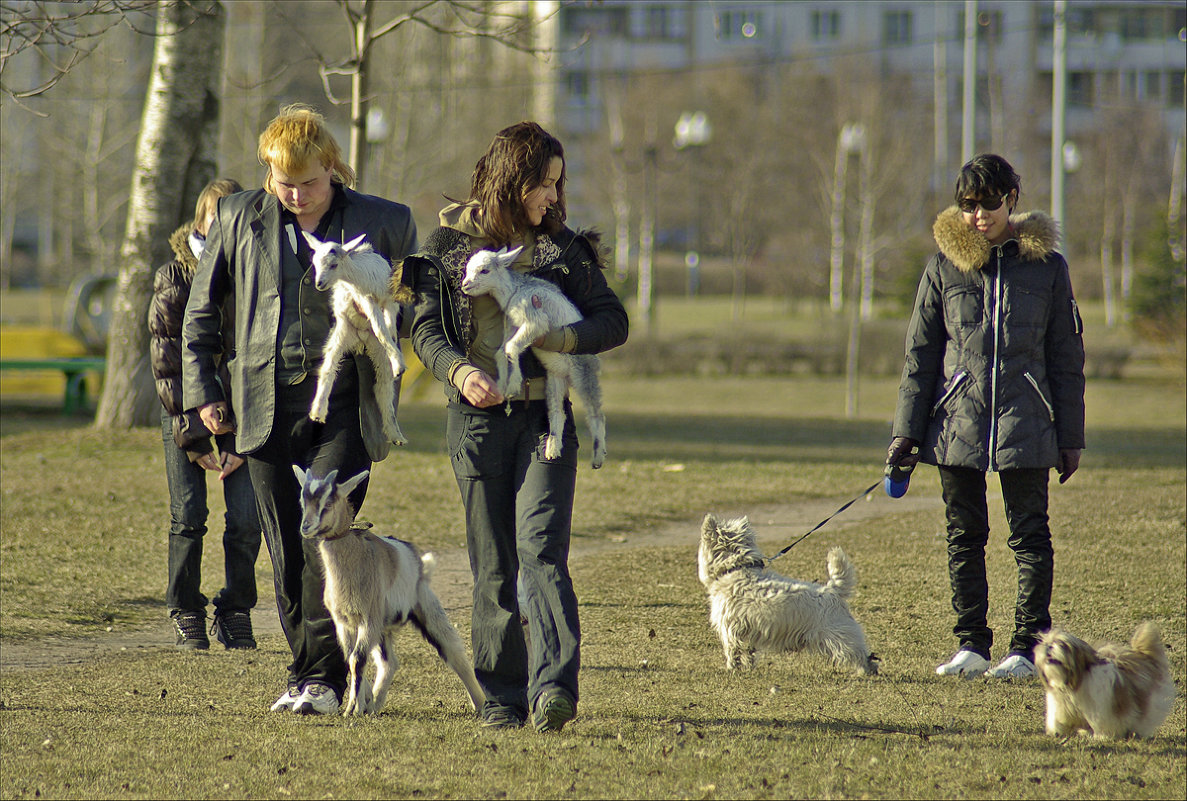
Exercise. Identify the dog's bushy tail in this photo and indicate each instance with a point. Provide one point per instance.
(1148, 640)
(842, 575)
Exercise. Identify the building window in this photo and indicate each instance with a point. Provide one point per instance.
(826, 26)
(739, 25)
(577, 88)
(896, 28)
(1080, 89)
(653, 21)
(588, 20)
(1175, 80)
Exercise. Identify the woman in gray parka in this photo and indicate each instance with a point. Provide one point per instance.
(993, 381)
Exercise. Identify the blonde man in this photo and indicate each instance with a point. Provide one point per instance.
(256, 251)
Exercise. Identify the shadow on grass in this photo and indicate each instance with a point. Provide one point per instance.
(689, 725)
(725, 437)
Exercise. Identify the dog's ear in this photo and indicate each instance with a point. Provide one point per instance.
(709, 527)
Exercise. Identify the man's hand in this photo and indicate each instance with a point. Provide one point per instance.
(1069, 462)
(903, 452)
(216, 417)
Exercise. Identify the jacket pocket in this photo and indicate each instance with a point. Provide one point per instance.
(955, 383)
(1030, 379)
(964, 305)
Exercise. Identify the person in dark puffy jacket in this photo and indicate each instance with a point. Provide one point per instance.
(993, 381)
(190, 452)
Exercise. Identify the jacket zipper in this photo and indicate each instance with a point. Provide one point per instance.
(994, 366)
(1042, 397)
(957, 381)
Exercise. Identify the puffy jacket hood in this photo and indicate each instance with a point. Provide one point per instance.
(179, 240)
(1036, 233)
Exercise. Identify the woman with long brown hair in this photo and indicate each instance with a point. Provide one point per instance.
(518, 503)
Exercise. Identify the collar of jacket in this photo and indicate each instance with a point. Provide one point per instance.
(1035, 233)
(179, 240)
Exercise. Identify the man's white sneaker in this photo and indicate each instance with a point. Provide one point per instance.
(286, 702)
(967, 664)
(317, 699)
(1014, 666)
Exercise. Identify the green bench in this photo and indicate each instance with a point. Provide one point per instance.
(75, 370)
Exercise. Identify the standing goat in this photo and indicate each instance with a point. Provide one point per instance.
(374, 585)
(365, 321)
(531, 308)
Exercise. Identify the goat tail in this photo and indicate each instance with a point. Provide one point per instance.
(428, 563)
(842, 575)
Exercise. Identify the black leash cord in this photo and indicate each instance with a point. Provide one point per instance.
(864, 493)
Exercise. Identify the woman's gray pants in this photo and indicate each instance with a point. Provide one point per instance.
(519, 509)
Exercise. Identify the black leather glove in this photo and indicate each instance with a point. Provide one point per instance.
(903, 452)
(1069, 462)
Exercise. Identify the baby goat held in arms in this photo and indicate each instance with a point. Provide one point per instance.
(374, 585)
(531, 308)
(366, 320)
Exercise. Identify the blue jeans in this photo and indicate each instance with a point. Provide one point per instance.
(188, 512)
(519, 509)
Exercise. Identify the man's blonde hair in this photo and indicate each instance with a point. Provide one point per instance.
(296, 138)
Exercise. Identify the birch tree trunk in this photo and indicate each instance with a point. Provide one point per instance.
(176, 155)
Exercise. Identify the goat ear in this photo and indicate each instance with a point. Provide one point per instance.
(354, 243)
(347, 486)
(300, 474)
(507, 257)
(311, 239)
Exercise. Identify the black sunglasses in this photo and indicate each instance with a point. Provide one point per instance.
(968, 205)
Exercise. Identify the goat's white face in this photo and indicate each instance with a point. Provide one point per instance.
(329, 256)
(318, 497)
(483, 268)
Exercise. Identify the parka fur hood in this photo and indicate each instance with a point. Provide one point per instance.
(179, 240)
(1036, 233)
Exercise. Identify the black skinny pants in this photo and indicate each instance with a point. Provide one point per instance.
(1025, 496)
(336, 444)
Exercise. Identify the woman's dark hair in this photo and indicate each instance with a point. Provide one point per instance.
(516, 162)
(987, 175)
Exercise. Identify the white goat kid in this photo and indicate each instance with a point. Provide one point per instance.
(531, 308)
(374, 585)
(365, 321)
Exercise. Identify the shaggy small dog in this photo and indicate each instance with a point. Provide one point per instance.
(753, 607)
(1115, 691)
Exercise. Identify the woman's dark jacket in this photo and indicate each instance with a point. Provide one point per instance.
(442, 330)
(171, 291)
(994, 374)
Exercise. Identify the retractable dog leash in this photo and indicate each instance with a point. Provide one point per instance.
(895, 481)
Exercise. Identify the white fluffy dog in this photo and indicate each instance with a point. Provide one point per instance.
(753, 607)
(1112, 692)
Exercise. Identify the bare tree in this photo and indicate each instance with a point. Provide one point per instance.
(60, 36)
(175, 157)
(511, 25)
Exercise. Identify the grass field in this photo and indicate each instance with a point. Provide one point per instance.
(82, 555)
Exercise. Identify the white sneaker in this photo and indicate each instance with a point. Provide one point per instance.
(967, 664)
(286, 702)
(317, 699)
(1014, 666)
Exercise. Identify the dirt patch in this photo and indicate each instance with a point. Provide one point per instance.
(779, 524)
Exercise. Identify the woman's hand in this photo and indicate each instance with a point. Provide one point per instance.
(481, 390)
(230, 463)
(208, 461)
